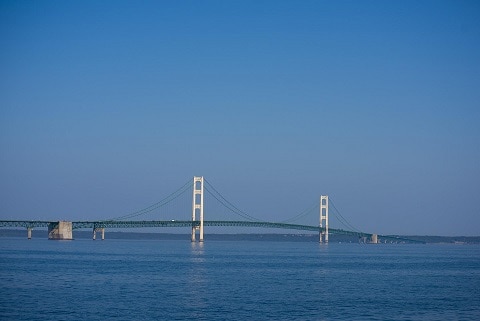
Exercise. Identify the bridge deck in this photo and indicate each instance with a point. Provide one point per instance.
(174, 223)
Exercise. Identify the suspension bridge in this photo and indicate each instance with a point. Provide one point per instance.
(63, 230)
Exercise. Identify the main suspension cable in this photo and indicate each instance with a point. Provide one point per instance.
(180, 191)
(344, 222)
(220, 198)
(302, 214)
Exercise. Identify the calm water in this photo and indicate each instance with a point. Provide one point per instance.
(178, 280)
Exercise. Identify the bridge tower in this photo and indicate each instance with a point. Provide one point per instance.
(324, 218)
(197, 206)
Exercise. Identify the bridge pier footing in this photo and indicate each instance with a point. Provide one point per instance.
(29, 233)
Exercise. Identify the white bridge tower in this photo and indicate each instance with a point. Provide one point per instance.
(197, 206)
(324, 218)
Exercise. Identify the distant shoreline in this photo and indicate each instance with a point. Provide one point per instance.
(286, 237)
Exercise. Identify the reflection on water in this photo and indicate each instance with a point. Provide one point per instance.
(197, 252)
(197, 278)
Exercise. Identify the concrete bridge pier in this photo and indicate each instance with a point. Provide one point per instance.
(61, 230)
(29, 233)
(95, 230)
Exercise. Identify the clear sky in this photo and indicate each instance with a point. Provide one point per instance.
(107, 106)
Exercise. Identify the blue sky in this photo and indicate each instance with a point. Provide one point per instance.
(107, 106)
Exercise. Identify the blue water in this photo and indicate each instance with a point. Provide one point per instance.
(220, 280)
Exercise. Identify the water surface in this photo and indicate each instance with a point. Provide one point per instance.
(218, 280)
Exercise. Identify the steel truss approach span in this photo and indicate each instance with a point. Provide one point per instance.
(26, 224)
